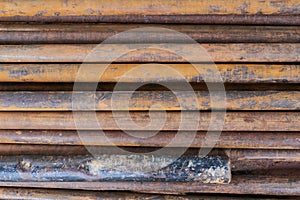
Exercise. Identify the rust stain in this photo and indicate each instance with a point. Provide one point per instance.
(144, 7)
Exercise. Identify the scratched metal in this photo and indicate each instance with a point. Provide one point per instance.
(208, 169)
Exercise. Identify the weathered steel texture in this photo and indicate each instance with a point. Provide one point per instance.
(29, 149)
(251, 161)
(23, 33)
(288, 157)
(144, 100)
(10, 193)
(265, 162)
(240, 184)
(4, 86)
(167, 19)
(177, 86)
(261, 52)
(208, 169)
(265, 167)
(145, 7)
(229, 73)
(247, 140)
(269, 154)
(264, 145)
(234, 121)
(256, 162)
(264, 184)
(75, 150)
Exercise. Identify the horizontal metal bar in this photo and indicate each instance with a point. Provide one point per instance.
(248, 140)
(229, 73)
(208, 169)
(144, 100)
(233, 19)
(23, 33)
(240, 184)
(144, 7)
(261, 52)
(234, 121)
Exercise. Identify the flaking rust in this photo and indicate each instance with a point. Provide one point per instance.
(187, 168)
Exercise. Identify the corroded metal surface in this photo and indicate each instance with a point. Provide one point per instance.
(234, 121)
(249, 140)
(47, 194)
(241, 184)
(143, 100)
(37, 33)
(248, 52)
(230, 73)
(196, 12)
(50, 86)
(166, 19)
(258, 64)
(145, 7)
(209, 169)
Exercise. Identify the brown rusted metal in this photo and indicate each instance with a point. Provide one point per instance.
(144, 7)
(167, 19)
(23, 33)
(258, 64)
(240, 184)
(73, 150)
(242, 140)
(264, 162)
(229, 73)
(286, 52)
(21, 193)
(63, 86)
(234, 121)
(32, 149)
(143, 100)
(170, 11)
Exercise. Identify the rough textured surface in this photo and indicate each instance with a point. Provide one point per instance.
(144, 7)
(144, 100)
(49, 86)
(234, 121)
(23, 33)
(240, 184)
(249, 52)
(48, 194)
(209, 169)
(248, 140)
(229, 73)
(226, 19)
(40, 57)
